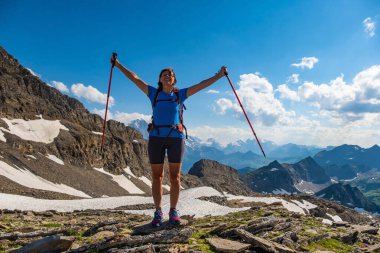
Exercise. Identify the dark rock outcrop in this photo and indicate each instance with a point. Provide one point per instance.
(221, 177)
(348, 196)
(273, 178)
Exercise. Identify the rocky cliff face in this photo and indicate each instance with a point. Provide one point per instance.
(24, 96)
(304, 176)
(273, 178)
(221, 177)
(308, 170)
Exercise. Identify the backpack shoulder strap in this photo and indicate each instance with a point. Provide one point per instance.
(155, 97)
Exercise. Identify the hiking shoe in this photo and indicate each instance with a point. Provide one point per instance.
(174, 218)
(157, 218)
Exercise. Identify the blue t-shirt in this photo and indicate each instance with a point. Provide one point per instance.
(166, 112)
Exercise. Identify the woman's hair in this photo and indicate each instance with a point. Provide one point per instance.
(171, 71)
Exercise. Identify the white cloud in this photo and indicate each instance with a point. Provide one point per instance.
(306, 62)
(60, 86)
(223, 105)
(286, 93)
(345, 112)
(257, 97)
(122, 117)
(369, 26)
(33, 73)
(212, 91)
(223, 135)
(255, 82)
(301, 130)
(126, 118)
(294, 78)
(350, 101)
(101, 112)
(91, 94)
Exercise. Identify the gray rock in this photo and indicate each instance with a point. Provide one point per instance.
(224, 245)
(262, 225)
(262, 243)
(142, 249)
(53, 243)
(366, 229)
(349, 238)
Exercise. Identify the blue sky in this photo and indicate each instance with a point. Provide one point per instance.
(308, 72)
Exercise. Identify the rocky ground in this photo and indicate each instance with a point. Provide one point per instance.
(262, 228)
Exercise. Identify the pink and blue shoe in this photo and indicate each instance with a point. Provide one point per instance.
(158, 217)
(174, 217)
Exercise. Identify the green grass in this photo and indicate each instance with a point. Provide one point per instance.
(72, 232)
(50, 225)
(201, 243)
(373, 196)
(330, 244)
(204, 246)
(312, 223)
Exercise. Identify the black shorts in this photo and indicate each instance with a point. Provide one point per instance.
(157, 147)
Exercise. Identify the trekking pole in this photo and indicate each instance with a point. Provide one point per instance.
(249, 122)
(114, 56)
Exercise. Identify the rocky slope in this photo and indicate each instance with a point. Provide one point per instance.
(348, 196)
(303, 176)
(262, 228)
(220, 177)
(273, 178)
(366, 159)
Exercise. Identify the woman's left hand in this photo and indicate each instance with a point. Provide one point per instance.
(223, 71)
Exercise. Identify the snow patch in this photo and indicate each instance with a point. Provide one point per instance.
(55, 159)
(327, 221)
(98, 133)
(334, 217)
(296, 207)
(28, 179)
(359, 209)
(2, 138)
(273, 169)
(31, 156)
(280, 191)
(123, 182)
(305, 205)
(129, 172)
(188, 203)
(145, 180)
(39, 130)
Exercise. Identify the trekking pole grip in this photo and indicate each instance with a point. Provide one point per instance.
(114, 57)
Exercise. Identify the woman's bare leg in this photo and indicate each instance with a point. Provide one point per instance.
(175, 183)
(157, 175)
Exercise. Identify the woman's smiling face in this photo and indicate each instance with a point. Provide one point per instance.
(167, 78)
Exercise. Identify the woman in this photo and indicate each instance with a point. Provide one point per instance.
(166, 132)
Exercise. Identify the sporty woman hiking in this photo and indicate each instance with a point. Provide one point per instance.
(166, 132)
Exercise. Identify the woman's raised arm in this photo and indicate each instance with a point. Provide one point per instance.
(205, 83)
(132, 76)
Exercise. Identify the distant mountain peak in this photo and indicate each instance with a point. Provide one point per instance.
(348, 196)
